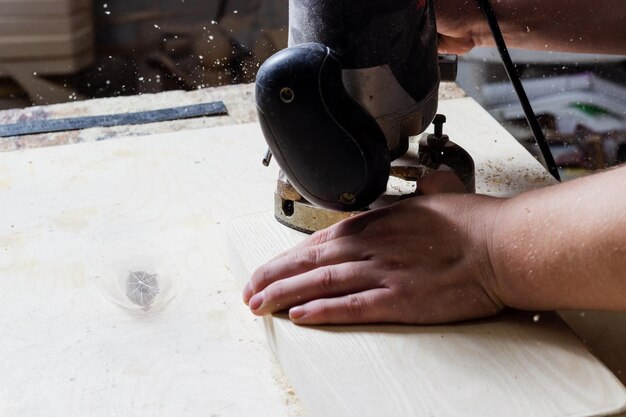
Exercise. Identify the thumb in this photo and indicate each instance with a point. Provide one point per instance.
(452, 45)
(441, 182)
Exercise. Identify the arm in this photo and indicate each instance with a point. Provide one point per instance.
(564, 247)
(565, 25)
(449, 257)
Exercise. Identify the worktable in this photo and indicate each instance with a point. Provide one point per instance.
(239, 100)
(71, 343)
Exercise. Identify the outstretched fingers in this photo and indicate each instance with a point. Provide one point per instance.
(371, 306)
(324, 282)
(301, 260)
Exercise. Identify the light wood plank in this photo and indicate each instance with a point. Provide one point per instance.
(46, 46)
(605, 333)
(42, 7)
(48, 65)
(509, 365)
(74, 221)
(44, 25)
(506, 366)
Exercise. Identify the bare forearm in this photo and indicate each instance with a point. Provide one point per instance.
(564, 247)
(563, 25)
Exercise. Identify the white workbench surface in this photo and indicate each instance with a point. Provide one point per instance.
(75, 220)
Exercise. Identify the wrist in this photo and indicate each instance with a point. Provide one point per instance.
(489, 278)
(512, 255)
(497, 280)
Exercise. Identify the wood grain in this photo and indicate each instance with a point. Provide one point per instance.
(74, 222)
(511, 365)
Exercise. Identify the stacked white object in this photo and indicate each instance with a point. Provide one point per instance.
(47, 37)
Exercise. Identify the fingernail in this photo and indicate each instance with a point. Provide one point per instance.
(296, 312)
(256, 301)
(247, 293)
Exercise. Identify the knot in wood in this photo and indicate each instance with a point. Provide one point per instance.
(142, 288)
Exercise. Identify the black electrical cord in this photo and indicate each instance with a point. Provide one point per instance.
(511, 71)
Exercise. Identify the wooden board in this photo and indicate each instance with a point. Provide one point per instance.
(506, 366)
(605, 333)
(42, 7)
(510, 365)
(74, 222)
(46, 46)
(47, 65)
(42, 25)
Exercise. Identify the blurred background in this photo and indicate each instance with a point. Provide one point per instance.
(580, 100)
(55, 51)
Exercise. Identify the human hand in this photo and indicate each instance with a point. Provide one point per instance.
(592, 27)
(422, 260)
(459, 24)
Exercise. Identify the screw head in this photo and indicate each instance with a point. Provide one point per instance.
(439, 119)
(287, 95)
(347, 198)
